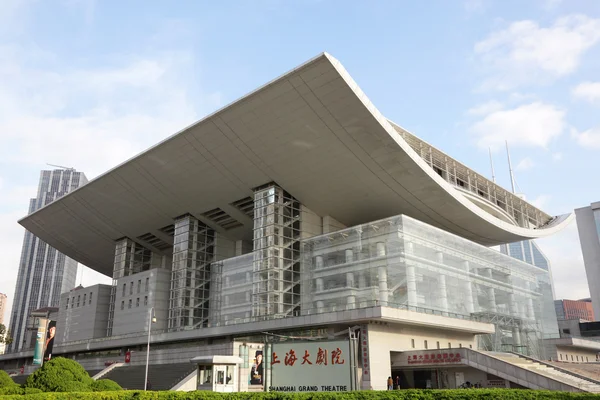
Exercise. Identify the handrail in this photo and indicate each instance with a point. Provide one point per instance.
(566, 371)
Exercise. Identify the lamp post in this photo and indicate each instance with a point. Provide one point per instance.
(151, 321)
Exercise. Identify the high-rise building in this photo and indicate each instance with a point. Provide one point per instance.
(588, 225)
(44, 273)
(3, 299)
(574, 309)
(528, 251)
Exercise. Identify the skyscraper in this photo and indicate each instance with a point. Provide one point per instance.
(44, 273)
(588, 225)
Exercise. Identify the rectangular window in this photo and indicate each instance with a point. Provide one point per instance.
(91, 293)
(131, 288)
(129, 304)
(84, 299)
(470, 346)
(124, 289)
(78, 300)
(438, 345)
(449, 345)
(460, 345)
(425, 344)
(145, 300)
(67, 307)
(147, 284)
(412, 343)
(122, 305)
(139, 288)
(137, 302)
(560, 356)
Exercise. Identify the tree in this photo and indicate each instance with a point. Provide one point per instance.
(5, 336)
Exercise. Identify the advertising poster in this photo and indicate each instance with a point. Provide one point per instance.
(40, 341)
(257, 370)
(311, 367)
(49, 343)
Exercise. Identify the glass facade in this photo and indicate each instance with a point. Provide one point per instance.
(528, 251)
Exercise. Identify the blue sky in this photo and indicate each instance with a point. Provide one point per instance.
(88, 84)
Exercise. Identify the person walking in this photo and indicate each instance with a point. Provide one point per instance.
(397, 382)
(390, 383)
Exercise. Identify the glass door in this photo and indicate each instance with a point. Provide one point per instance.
(224, 378)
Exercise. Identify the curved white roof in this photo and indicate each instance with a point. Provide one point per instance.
(313, 132)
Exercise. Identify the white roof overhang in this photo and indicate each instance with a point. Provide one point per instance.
(312, 131)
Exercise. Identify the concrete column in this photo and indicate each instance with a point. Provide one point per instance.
(320, 306)
(411, 277)
(383, 285)
(468, 288)
(530, 307)
(490, 292)
(380, 249)
(513, 305)
(318, 262)
(443, 294)
(351, 301)
(319, 282)
(350, 279)
(516, 336)
(349, 255)
(523, 309)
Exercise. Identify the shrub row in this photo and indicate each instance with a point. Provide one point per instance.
(475, 394)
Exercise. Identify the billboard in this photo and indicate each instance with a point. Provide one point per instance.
(311, 367)
(40, 342)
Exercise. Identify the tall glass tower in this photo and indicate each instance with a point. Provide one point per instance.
(44, 273)
(528, 251)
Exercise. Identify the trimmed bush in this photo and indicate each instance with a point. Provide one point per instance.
(105, 385)
(6, 380)
(60, 375)
(460, 394)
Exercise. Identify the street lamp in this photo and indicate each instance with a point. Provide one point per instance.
(151, 320)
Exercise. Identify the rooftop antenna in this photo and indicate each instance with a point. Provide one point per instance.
(512, 177)
(61, 167)
(492, 164)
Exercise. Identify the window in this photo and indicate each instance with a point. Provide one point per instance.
(577, 358)
(586, 359)
(124, 289)
(84, 299)
(78, 299)
(438, 344)
(412, 343)
(122, 305)
(131, 288)
(67, 307)
(145, 300)
(129, 304)
(137, 302)
(147, 284)
(449, 345)
(91, 293)
(425, 344)
(571, 357)
(560, 356)
(139, 288)
(470, 346)
(460, 345)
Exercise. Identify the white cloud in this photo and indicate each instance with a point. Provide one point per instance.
(589, 91)
(541, 201)
(525, 164)
(486, 108)
(589, 139)
(529, 125)
(526, 53)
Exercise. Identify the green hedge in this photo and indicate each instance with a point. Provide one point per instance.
(477, 394)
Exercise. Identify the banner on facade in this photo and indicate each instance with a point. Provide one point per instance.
(310, 367)
(40, 341)
(49, 345)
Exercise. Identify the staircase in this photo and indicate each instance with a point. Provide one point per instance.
(572, 381)
(160, 376)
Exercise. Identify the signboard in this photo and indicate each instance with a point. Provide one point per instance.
(310, 367)
(40, 342)
(364, 346)
(441, 357)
